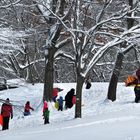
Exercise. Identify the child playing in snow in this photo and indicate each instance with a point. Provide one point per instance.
(60, 103)
(46, 112)
(27, 109)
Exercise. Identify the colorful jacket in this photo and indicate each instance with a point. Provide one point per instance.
(46, 113)
(27, 108)
(55, 92)
(60, 101)
(45, 106)
(6, 110)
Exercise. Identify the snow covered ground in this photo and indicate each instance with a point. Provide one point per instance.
(101, 119)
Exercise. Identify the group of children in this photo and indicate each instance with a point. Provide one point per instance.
(70, 100)
(7, 112)
(46, 111)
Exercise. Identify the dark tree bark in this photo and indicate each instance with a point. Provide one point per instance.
(114, 78)
(130, 21)
(119, 61)
(48, 78)
(53, 38)
(80, 81)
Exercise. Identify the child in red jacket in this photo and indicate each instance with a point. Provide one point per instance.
(27, 109)
(46, 113)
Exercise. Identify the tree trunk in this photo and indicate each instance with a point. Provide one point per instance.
(114, 78)
(118, 65)
(49, 73)
(54, 35)
(80, 81)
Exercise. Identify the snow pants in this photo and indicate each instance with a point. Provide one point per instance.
(46, 120)
(5, 123)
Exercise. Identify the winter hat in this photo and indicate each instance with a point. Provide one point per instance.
(28, 103)
(7, 100)
(73, 90)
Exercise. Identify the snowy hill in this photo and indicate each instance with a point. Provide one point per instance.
(101, 119)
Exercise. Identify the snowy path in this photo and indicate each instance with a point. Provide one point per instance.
(111, 129)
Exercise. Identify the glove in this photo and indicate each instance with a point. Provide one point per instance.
(12, 116)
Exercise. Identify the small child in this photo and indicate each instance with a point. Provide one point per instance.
(46, 113)
(60, 103)
(27, 109)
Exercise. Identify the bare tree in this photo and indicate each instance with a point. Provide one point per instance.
(119, 59)
(23, 16)
(93, 38)
(55, 13)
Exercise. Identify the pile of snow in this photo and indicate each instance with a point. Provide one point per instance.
(101, 119)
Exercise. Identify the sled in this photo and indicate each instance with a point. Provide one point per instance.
(129, 81)
(1, 120)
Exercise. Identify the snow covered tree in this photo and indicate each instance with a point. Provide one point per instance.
(94, 31)
(9, 45)
(22, 16)
(126, 47)
(54, 13)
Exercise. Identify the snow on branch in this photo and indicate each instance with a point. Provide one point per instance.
(65, 55)
(31, 63)
(63, 42)
(11, 3)
(123, 38)
(117, 17)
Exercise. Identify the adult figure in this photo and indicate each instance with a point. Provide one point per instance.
(68, 98)
(136, 84)
(6, 112)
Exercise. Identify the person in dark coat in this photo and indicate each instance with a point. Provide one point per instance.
(68, 98)
(137, 86)
(6, 112)
(136, 82)
(27, 109)
(88, 82)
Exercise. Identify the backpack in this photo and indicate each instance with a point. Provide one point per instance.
(74, 100)
(88, 85)
(56, 105)
(130, 79)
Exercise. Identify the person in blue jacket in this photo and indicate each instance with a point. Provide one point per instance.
(60, 103)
